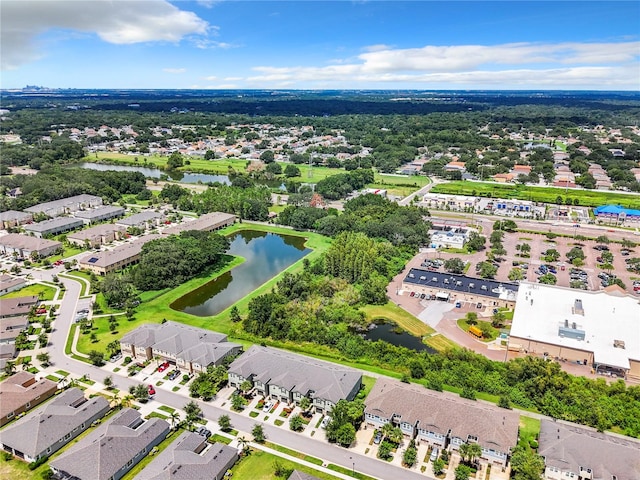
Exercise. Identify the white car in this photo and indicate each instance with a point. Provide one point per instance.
(267, 407)
(325, 421)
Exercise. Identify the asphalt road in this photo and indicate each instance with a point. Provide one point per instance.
(328, 452)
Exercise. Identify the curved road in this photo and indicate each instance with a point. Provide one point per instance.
(317, 448)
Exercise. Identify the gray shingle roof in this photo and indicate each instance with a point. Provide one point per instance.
(137, 218)
(298, 475)
(17, 240)
(297, 373)
(103, 452)
(437, 412)
(39, 430)
(190, 457)
(64, 202)
(54, 223)
(100, 211)
(569, 447)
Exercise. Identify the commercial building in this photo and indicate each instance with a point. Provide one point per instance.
(443, 419)
(51, 427)
(66, 205)
(288, 377)
(120, 257)
(9, 283)
(144, 219)
(190, 348)
(99, 214)
(460, 288)
(191, 457)
(53, 226)
(96, 236)
(601, 329)
(574, 452)
(12, 218)
(23, 391)
(449, 233)
(205, 223)
(113, 449)
(617, 213)
(24, 246)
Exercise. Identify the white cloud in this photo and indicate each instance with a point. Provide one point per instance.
(114, 21)
(211, 78)
(206, 43)
(174, 70)
(376, 48)
(518, 65)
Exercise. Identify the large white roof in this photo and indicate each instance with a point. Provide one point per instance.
(541, 310)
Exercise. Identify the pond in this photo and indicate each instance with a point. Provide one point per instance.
(389, 332)
(156, 173)
(265, 254)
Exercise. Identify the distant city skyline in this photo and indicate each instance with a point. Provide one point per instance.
(209, 44)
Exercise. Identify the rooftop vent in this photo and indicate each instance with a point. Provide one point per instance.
(577, 307)
(618, 344)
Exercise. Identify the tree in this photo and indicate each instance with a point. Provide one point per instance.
(237, 402)
(174, 417)
(209, 155)
(384, 450)
(548, 279)
(96, 358)
(108, 382)
(504, 402)
(193, 411)
(410, 455)
(551, 255)
(43, 358)
(296, 423)
(526, 464)
(274, 168)
(575, 253)
(224, 422)
(267, 156)
(392, 433)
(462, 472)
(305, 404)
(468, 392)
(488, 270)
(498, 318)
(603, 239)
(234, 315)
(175, 160)
(525, 249)
(291, 171)
(246, 386)
(469, 452)
(43, 339)
(279, 469)
(476, 242)
(454, 265)
(141, 393)
(258, 433)
(438, 466)
(516, 274)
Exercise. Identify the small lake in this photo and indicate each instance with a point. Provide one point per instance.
(389, 332)
(156, 173)
(265, 254)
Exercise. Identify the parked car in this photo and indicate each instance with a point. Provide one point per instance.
(175, 374)
(204, 432)
(325, 422)
(378, 438)
(267, 407)
(163, 367)
(434, 454)
(152, 391)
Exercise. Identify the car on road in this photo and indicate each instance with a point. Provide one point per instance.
(203, 432)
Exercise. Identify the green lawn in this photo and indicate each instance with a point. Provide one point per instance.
(44, 292)
(589, 198)
(399, 316)
(368, 383)
(259, 466)
(440, 343)
(529, 428)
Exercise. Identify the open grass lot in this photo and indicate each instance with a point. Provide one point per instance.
(259, 466)
(45, 293)
(399, 316)
(155, 305)
(397, 184)
(589, 198)
(529, 428)
(440, 343)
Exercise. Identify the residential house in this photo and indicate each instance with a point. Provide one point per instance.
(208, 222)
(22, 391)
(10, 328)
(288, 377)
(53, 226)
(12, 218)
(120, 257)
(111, 450)
(191, 457)
(503, 177)
(190, 348)
(23, 246)
(99, 214)
(9, 283)
(48, 429)
(455, 167)
(7, 353)
(443, 419)
(143, 220)
(17, 306)
(66, 205)
(95, 236)
(574, 452)
(298, 475)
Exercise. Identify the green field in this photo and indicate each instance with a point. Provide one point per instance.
(45, 293)
(259, 466)
(396, 184)
(588, 198)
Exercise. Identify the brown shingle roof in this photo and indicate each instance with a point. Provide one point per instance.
(20, 389)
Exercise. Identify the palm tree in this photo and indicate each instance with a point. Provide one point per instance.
(174, 419)
(115, 401)
(243, 443)
(26, 363)
(10, 368)
(127, 401)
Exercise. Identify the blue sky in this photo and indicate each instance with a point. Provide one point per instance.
(321, 45)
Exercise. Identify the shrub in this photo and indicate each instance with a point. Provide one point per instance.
(37, 463)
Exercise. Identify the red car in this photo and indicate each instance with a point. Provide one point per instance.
(163, 367)
(152, 391)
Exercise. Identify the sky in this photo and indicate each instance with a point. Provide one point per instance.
(426, 45)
